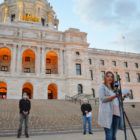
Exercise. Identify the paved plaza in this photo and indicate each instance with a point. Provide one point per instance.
(77, 136)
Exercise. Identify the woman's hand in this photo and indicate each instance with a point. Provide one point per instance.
(110, 98)
(86, 112)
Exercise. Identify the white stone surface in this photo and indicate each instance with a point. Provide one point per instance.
(18, 37)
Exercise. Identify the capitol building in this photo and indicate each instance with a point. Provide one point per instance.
(37, 58)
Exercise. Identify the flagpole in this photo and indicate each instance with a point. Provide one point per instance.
(124, 39)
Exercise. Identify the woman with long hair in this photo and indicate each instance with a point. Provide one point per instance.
(109, 109)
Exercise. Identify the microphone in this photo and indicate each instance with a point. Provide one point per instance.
(116, 84)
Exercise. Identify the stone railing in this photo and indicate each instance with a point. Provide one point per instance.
(79, 99)
(102, 51)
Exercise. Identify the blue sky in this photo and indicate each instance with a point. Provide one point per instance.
(110, 24)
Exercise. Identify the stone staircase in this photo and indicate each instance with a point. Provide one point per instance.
(54, 115)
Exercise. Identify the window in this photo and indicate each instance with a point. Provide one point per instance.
(77, 53)
(127, 77)
(116, 75)
(136, 65)
(125, 65)
(138, 77)
(90, 61)
(48, 60)
(28, 15)
(102, 62)
(27, 59)
(26, 70)
(43, 21)
(114, 63)
(5, 57)
(131, 94)
(93, 93)
(102, 74)
(4, 68)
(80, 89)
(91, 74)
(48, 71)
(78, 69)
(13, 17)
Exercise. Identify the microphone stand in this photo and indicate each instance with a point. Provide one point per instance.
(125, 118)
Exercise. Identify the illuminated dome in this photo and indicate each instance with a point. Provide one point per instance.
(28, 11)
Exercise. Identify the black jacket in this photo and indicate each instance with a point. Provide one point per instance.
(24, 105)
(86, 107)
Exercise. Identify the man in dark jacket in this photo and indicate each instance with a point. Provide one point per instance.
(86, 110)
(24, 106)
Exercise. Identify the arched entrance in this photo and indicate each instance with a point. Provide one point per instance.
(51, 63)
(28, 88)
(3, 90)
(5, 59)
(28, 61)
(52, 91)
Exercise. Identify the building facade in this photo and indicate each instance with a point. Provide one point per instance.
(37, 58)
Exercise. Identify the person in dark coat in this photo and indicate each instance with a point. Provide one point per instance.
(24, 107)
(86, 110)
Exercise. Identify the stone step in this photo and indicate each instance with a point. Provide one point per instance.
(54, 115)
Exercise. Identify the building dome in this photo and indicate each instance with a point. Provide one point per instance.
(28, 11)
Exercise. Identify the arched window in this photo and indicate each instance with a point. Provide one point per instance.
(77, 53)
(131, 94)
(5, 59)
(90, 61)
(51, 63)
(28, 61)
(80, 89)
(93, 93)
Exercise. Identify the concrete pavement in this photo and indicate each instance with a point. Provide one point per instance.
(77, 136)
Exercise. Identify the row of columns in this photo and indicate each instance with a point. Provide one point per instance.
(40, 59)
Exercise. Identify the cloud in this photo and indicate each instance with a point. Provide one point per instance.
(123, 16)
(107, 12)
(129, 40)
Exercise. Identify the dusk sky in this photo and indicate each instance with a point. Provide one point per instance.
(110, 24)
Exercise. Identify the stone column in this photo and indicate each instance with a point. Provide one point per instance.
(37, 61)
(63, 55)
(60, 62)
(13, 59)
(19, 59)
(43, 67)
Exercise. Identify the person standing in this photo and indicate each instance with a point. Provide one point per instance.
(110, 114)
(86, 110)
(24, 106)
